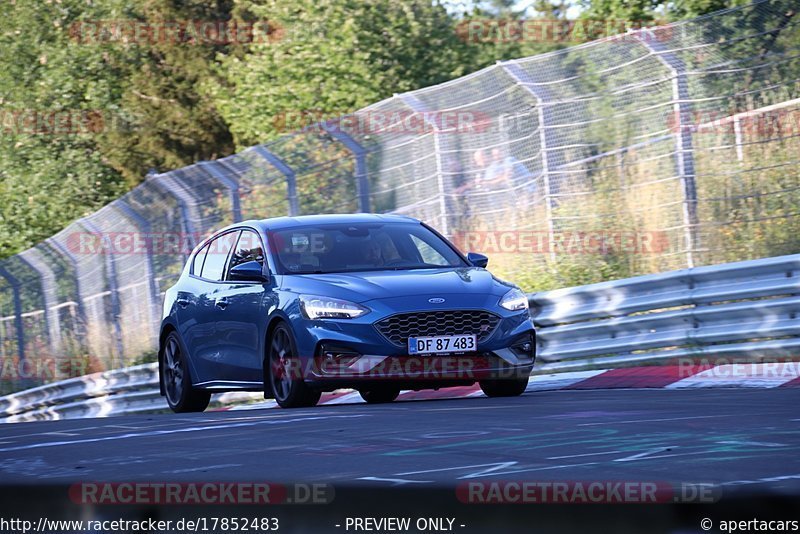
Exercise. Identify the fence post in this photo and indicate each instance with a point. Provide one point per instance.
(291, 178)
(35, 261)
(737, 130)
(145, 225)
(362, 178)
(184, 201)
(15, 288)
(522, 79)
(233, 187)
(418, 106)
(111, 274)
(62, 250)
(684, 150)
(177, 184)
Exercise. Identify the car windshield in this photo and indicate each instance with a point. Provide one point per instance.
(342, 248)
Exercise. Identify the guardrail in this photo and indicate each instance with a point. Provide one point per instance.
(738, 310)
(116, 392)
(746, 309)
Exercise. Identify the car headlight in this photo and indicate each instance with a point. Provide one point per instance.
(514, 300)
(314, 307)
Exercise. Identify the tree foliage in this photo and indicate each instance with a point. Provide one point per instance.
(331, 57)
(138, 105)
(48, 178)
(171, 123)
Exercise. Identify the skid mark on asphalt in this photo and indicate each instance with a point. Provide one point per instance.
(396, 481)
(753, 443)
(154, 433)
(34, 467)
(202, 468)
(765, 480)
(648, 455)
(27, 467)
(146, 426)
(106, 429)
(491, 468)
(606, 447)
(583, 455)
(633, 421)
(471, 472)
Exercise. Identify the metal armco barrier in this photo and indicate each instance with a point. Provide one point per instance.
(747, 309)
(118, 392)
(744, 309)
(683, 138)
(121, 391)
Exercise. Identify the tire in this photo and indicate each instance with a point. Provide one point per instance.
(379, 394)
(283, 361)
(510, 387)
(177, 381)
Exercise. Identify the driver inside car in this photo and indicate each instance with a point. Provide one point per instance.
(372, 253)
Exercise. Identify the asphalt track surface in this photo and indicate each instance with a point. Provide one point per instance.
(409, 459)
(737, 438)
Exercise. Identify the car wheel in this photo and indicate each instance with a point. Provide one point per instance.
(510, 387)
(181, 396)
(379, 395)
(284, 364)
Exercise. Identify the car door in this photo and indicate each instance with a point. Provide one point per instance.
(241, 314)
(203, 338)
(187, 304)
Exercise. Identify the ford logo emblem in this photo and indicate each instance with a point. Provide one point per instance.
(436, 300)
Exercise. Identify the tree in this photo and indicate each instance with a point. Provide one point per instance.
(55, 97)
(499, 30)
(330, 57)
(84, 117)
(640, 11)
(687, 9)
(171, 123)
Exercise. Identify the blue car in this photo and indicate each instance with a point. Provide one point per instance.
(295, 306)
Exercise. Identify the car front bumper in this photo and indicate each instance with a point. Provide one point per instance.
(344, 353)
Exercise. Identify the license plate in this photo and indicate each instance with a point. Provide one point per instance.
(442, 344)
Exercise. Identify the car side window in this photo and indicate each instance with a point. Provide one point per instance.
(248, 248)
(197, 262)
(428, 254)
(217, 256)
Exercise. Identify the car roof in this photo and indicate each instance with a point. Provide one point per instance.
(280, 223)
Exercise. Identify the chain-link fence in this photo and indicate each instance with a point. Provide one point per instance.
(655, 150)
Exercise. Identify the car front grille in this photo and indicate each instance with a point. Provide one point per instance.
(398, 328)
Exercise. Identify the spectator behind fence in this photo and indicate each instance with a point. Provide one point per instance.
(496, 186)
(507, 170)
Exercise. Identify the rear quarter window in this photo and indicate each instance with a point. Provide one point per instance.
(197, 262)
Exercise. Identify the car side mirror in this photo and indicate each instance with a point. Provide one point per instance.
(249, 271)
(478, 260)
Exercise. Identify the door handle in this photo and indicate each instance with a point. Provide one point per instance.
(221, 303)
(183, 302)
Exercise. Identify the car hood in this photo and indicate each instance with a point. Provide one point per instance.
(364, 286)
